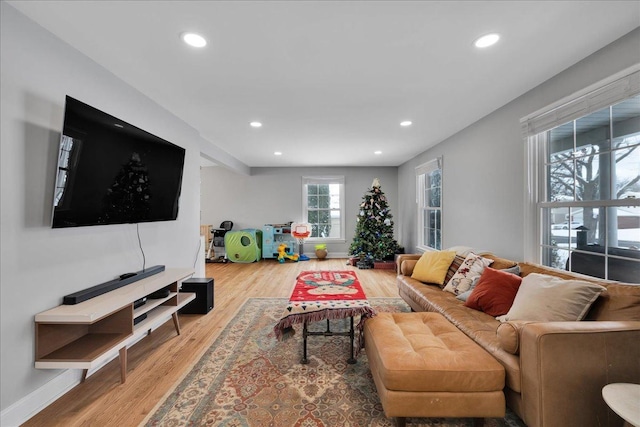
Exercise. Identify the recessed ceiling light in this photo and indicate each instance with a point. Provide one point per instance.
(406, 123)
(377, 153)
(277, 153)
(193, 39)
(255, 124)
(487, 40)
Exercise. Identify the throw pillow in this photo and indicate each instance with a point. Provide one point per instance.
(552, 299)
(455, 265)
(494, 292)
(465, 295)
(432, 266)
(513, 270)
(472, 267)
(508, 334)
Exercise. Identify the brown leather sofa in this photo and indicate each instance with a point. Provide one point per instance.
(555, 371)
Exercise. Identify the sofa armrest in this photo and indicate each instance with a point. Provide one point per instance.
(406, 257)
(559, 360)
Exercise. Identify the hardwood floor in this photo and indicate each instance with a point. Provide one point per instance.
(160, 360)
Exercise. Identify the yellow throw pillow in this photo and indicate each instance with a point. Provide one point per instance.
(432, 266)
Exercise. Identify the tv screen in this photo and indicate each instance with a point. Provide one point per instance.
(111, 172)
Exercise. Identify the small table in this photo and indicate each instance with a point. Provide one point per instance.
(624, 400)
(324, 295)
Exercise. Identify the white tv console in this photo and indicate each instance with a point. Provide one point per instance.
(86, 335)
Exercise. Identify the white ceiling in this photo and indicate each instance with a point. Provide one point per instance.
(331, 80)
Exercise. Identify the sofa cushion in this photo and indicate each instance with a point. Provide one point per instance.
(471, 268)
(550, 299)
(618, 302)
(495, 292)
(432, 266)
(475, 324)
(417, 352)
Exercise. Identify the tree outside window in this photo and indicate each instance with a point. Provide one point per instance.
(323, 199)
(592, 174)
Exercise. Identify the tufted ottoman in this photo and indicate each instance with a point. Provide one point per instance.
(423, 366)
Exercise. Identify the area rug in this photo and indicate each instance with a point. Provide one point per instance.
(247, 378)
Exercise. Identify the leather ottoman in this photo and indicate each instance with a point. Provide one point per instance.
(423, 366)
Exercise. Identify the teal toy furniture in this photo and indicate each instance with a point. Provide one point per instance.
(243, 246)
(273, 235)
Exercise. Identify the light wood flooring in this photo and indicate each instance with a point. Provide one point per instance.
(160, 360)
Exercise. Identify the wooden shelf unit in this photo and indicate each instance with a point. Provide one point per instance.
(86, 335)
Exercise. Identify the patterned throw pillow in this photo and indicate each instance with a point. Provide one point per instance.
(471, 268)
(455, 265)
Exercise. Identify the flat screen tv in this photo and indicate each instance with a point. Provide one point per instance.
(111, 172)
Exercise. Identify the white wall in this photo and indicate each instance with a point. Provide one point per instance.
(274, 196)
(39, 264)
(484, 165)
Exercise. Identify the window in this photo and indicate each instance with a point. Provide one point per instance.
(587, 195)
(323, 206)
(429, 189)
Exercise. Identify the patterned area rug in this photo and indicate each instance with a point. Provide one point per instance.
(247, 378)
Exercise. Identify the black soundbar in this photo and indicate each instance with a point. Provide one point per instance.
(111, 285)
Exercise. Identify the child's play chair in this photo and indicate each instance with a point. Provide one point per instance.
(218, 242)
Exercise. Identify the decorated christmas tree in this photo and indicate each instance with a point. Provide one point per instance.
(373, 239)
(129, 197)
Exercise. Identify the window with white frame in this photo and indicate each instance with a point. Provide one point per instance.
(429, 200)
(323, 206)
(584, 158)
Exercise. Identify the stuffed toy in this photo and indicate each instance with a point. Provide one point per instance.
(283, 255)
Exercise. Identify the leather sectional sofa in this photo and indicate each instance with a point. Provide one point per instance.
(554, 371)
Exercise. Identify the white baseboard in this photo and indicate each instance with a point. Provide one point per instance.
(34, 402)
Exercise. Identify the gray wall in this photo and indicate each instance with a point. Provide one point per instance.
(484, 165)
(39, 264)
(274, 196)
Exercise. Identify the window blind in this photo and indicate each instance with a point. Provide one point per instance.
(430, 166)
(322, 180)
(597, 97)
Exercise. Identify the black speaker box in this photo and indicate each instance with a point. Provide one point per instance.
(203, 289)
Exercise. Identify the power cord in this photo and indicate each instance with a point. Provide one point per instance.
(144, 259)
(195, 261)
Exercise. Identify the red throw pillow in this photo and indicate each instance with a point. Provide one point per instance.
(495, 292)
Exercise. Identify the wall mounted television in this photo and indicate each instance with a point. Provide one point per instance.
(111, 172)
